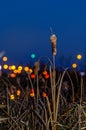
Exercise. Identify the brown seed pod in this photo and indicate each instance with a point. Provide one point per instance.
(53, 40)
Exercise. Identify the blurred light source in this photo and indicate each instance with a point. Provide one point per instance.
(9, 67)
(30, 70)
(79, 56)
(32, 76)
(20, 67)
(82, 73)
(15, 71)
(12, 97)
(4, 58)
(32, 94)
(18, 92)
(5, 66)
(13, 67)
(0, 67)
(47, 76)
(74, 65)
(44, 72)
(26, 68)
(33, 56)
(19, 71)
(44, 94)
(12, 75)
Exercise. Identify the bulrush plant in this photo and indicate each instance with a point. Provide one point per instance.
(51, 110)
(44, 99)
(49, 107)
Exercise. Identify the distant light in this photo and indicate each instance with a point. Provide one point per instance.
(44, 94)
(47, 76)
(30, 70)
(33, 56)
(12, 75)
(74, 65)
(32, 76)
(18, 93)
(13, 67)
(0, 67)
(4, 58)
(79, 56)
(20, 67)
(26, 68)
(12, 97)
(32, 94)
(82, 73)
(19, 71)
(9, 67)
(15, 71)
(44, 72)
(5, 66)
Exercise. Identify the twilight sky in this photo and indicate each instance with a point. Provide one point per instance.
(25, 28)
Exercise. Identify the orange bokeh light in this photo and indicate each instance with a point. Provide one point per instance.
(44, 94)
(4, 58)
(12, 75)
(44, 72)
(32, 93)
(74, 65)
(20, 67)
(12, 97)
(26, 68)
(30, 70)
(18, 93)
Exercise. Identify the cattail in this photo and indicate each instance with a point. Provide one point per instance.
(53, 40)
(36, 68)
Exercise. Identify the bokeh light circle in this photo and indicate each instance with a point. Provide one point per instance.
(79, 56)
(33, 56)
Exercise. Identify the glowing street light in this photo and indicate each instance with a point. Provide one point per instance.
(79, 56)
(74, 65)
(4, 58)
(13, 67)
(5, 66)
(20, 67)
(26, 68)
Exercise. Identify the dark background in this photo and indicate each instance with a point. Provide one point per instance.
(25, 29)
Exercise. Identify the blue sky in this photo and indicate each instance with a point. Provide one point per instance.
(25, 28)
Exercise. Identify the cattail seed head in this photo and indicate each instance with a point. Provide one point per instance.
(53, 40)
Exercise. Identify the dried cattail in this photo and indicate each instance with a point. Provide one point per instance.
(36, 68)
(53, 40)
